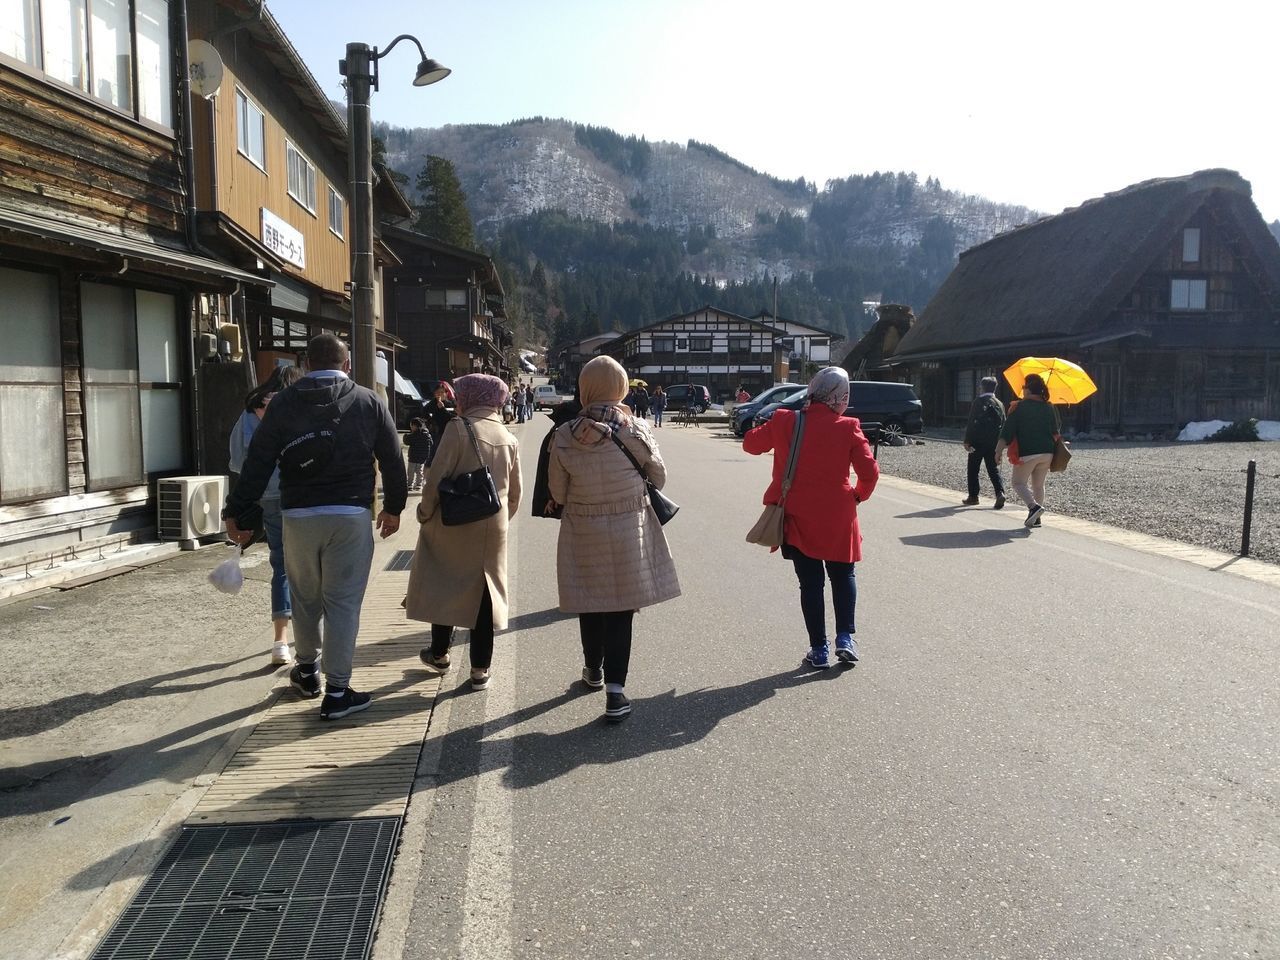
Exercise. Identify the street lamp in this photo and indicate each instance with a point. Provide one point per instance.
(361, 70)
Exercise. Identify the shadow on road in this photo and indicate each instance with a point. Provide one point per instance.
(965, 539)
(934, 514)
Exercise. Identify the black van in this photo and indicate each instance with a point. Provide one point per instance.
(894, 406)
(691, 396)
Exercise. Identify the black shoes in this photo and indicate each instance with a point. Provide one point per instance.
(616, 707)
(1033, 517)
(969, 502)
(335, 708)
(593, 677)
(440, 662)
(999, 504)
(307, 684)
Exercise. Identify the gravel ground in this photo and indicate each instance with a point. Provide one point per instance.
(1192, 492)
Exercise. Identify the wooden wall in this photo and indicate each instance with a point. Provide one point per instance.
(61, 154)
(243, 188)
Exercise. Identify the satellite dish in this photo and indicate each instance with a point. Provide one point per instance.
(205, 68)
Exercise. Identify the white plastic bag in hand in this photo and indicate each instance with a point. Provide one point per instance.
(227, 576)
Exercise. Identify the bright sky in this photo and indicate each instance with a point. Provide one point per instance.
(1043, 104)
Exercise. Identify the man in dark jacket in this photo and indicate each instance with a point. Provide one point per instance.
(981, 434)
(325, 433)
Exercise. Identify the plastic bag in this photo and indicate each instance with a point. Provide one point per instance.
(227, 576)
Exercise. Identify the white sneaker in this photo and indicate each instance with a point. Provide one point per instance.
(281, 654)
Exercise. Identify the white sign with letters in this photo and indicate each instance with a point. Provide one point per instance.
(282, 239)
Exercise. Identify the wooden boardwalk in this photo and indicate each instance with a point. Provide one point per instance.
(295, 766)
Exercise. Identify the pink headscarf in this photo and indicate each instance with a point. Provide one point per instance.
(481, 390)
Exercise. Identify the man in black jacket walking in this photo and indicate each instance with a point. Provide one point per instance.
(325, 433)
(981, 434)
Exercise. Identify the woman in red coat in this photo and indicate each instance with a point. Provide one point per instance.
(821, 511)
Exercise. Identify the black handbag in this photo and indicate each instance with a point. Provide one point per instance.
(664, 508)
(470, 496)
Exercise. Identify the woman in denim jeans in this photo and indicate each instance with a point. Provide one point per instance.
(821, 510)
(255, 406)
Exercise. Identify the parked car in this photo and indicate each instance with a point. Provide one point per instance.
(546, 396)
(691, 396)
(894, 406)
(744, 413)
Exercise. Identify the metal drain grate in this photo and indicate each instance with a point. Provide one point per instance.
(401, 560)
(280, 891)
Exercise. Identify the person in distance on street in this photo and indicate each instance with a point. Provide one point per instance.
(325, 432)
(438, 411)
(821, 510)
(459, 573)
(255, 408)
(420, 447)
(981, 434)
(1034, 424)
(612, 558)
(659, 403)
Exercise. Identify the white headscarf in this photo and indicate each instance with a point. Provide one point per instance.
(830, 386)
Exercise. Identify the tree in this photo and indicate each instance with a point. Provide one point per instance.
(380, 162)
(442, 211)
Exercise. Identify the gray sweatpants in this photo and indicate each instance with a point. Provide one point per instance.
(328, 559)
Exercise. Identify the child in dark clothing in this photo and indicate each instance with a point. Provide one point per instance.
(421, 447)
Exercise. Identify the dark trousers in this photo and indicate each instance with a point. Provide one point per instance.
(844, 594)
(606, 639)
(977, 457)
(481, 635)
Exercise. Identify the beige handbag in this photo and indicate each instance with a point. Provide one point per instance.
(771, 527)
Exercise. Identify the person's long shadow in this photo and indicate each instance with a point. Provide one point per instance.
(667, 721)
(935, 514)
(965, 539)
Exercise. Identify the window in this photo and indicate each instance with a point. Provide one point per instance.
(133, 406)
(739, 344)
(456, 299)
(664, 344)
(433, 299)
(302, 177)
(335, 212)
(155, 59)
(251, 130)
(682, 344)
(700, 344)
(964, 385)
(1191, 245)
(117, 51)
(1188, 294)
(33, 455)
(112, 62)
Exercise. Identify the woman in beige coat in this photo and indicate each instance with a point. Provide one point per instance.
(612, 557)
(459, 574)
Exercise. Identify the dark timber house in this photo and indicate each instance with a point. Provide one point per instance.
(1167, 292)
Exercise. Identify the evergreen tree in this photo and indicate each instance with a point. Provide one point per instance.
(443, 212)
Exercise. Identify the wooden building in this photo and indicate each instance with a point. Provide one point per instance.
(103, 287)
(707, 346)
(445, 304)
(565, 360)
(808, 348)
(1167, 292)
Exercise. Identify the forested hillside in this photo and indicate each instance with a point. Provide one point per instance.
(596, 230)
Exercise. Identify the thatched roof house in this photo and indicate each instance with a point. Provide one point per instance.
(1168, 291)
(870, 353)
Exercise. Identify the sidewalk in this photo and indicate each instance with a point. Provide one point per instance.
(99, 769)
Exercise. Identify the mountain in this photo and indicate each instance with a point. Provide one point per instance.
(616, 220)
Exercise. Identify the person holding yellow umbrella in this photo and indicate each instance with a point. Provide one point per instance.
(1033, 425)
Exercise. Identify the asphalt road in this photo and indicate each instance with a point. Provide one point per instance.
(1052, 748)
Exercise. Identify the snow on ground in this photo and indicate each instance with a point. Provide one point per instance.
(1204, 429)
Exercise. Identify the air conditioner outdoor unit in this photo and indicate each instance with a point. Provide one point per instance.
(189, 508)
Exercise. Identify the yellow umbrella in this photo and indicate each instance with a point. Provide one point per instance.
(1067, 382)
(639, 383)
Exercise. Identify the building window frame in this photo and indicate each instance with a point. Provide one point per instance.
(300, 177)
(1188, 294)
(249, 115)
(701, 344)
(337, 209)
(1191, 245)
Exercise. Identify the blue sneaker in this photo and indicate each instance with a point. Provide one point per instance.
(818, 658)
(846, 648)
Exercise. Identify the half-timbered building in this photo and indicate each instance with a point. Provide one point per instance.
(1167, 292)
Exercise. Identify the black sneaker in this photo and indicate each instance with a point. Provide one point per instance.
(1033, 517)
(436, 661)
(335, 708)
(999, 504)
(307, 684)
(616, 706)
(593, 677)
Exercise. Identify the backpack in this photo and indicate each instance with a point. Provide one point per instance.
(986, 427)
(311, 450)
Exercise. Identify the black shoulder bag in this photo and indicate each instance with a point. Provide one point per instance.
(542, 480)
(663, 507)
(470, 496)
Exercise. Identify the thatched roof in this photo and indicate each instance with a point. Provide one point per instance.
(893, 321)
(1059, 278)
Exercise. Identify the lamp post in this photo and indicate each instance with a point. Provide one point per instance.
(361, 70)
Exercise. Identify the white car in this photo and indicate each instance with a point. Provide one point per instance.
(545, 396)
